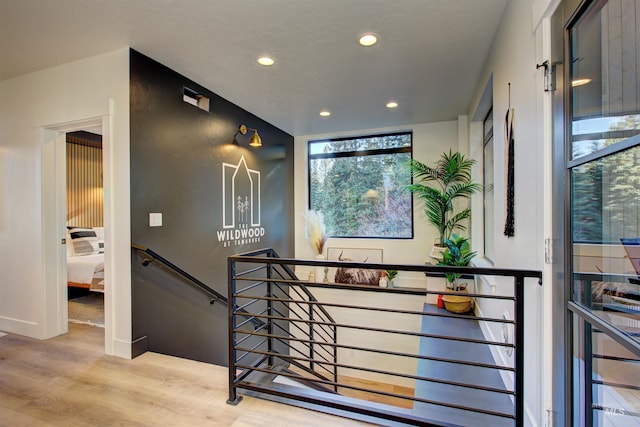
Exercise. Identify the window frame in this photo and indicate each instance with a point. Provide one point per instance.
(486, 138)
(362, 153)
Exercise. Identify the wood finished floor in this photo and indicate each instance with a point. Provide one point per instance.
(68, 381)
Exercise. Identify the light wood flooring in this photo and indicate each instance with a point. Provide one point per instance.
(68, 381)
(373, 397)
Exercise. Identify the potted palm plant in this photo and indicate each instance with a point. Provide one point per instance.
(439, 187)
(457, 253)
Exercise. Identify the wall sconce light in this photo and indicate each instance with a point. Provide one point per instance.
(255, 138)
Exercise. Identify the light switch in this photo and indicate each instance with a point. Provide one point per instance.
(155, 219)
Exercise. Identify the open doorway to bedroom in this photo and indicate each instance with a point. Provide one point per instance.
(85, 226)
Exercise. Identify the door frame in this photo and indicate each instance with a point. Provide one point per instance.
(54, 232)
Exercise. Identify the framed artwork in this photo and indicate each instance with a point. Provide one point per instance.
(354, 276)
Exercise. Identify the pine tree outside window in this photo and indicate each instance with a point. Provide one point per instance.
(358, 183)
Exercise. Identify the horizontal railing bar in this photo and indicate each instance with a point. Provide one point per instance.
(298, 316)
(387, 310)
(379, 266)
(242, 307)
(245, 374)
(368, 288)
(388, 352)
(249, 318)
(378, 371)
(255, 283)
(295, 361)
(289, 346)
(251, 350)
(616, 385)
(323, 313)
(306, 345)
(304, 289)
(389, 331)
(322, 332)
(251, 270)
(248, 336)
(615, 358)
(384, 393)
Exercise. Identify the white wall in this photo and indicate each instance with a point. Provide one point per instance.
(33, 108)
(516, 50)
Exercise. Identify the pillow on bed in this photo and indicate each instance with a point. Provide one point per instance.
(100, 235)
(84, 241)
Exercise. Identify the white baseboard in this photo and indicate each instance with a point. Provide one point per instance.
(21, 327)
(121, 348)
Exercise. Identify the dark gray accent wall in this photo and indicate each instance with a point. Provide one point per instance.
(210, 194)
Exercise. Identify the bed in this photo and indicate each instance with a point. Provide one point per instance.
(85, 258)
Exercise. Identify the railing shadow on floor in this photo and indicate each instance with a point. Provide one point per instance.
(369, 352)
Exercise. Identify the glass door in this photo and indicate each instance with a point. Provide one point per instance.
(602, 214)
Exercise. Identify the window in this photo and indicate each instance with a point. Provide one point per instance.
(487, 184)
(359, 183)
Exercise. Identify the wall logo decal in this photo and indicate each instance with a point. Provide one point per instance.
(241, 204)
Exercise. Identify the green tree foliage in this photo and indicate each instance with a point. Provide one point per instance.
(359, 189)
(606, 192)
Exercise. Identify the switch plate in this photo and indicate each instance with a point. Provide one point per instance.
(155, 219)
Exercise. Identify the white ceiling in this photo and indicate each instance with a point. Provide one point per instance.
(428, 59)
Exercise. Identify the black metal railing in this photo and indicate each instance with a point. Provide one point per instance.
(300, 332)
(285, 312)
(214, 295)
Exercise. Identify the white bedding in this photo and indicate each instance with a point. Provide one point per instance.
(87, 269)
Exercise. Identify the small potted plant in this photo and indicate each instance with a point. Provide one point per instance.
(457, 253)
(391, 274)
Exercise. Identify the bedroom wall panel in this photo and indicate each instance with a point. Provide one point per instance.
(179, 156)
(85, 207)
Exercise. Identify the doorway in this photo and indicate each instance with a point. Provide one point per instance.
(597, 181)
(85, 227)
(55, 233)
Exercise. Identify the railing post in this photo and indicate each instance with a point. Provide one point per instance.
(335, 356)
(519, 353)
(234, 399)
(270, 311)
(311, 337)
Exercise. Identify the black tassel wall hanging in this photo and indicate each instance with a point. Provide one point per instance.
(509, 224)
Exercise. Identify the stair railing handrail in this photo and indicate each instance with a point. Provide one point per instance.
(216, 296)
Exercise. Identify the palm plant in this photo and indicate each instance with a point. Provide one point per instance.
(457, 253)
(450, 179)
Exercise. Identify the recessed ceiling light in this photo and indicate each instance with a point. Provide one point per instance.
(392, 104)
(265, 60)
(580, 82)
(368, 39)
(325, 113)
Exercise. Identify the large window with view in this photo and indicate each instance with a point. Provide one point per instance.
(359, 185)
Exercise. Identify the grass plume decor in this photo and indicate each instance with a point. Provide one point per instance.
(316, 230)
